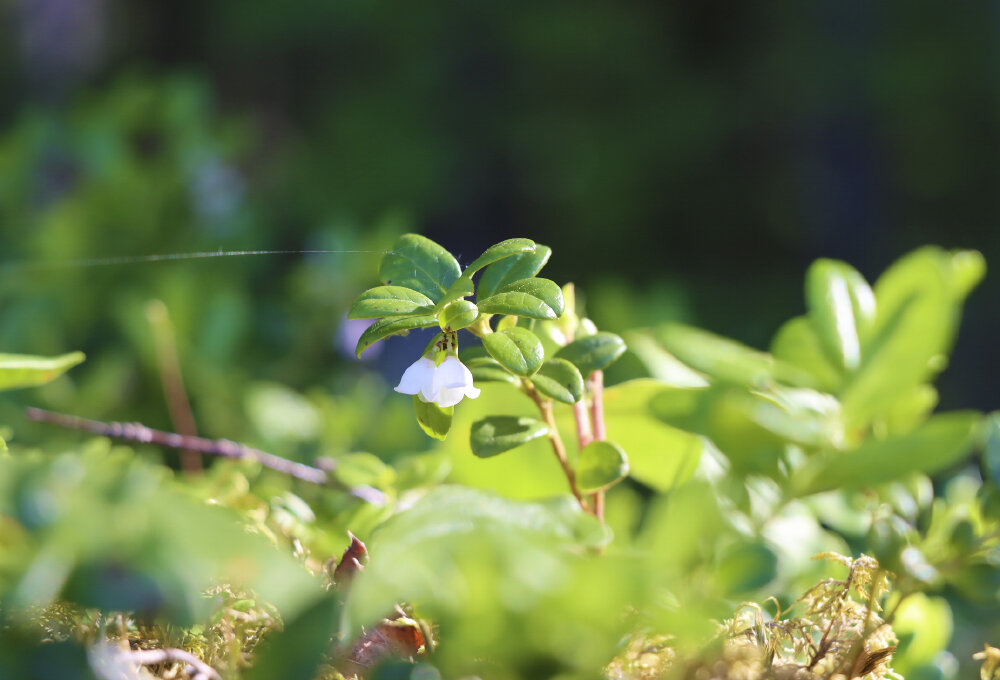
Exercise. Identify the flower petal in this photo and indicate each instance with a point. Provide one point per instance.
(418, 378)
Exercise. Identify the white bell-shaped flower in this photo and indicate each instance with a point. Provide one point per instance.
(419, 379)
(452, 382)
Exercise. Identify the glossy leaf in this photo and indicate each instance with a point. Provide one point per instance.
(517, 349)
(391, 326)
(940, 442)
(421, 264)
(461, 288)
(798, 344)
(594, 352)
(511, 269)
(504, 249)
(560, 380)
(434, 420)
(25, 370)
(841, 308)
(545, 290)
(600, 464)
(458, 314)
(496, 434)
(918, 301)
(517, 303)
(389, 301)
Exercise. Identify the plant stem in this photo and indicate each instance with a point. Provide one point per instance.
(545, 408)
(582, 418)
(595, 383)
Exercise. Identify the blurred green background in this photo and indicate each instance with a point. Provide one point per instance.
(692, 156)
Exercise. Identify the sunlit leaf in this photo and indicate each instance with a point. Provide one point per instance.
(517, 349)
(600, 464)
(510, 269)
(421, 264)
(434, 420)
(842, 309)
(545, 290)
(504, 249)
(593, 352)
(25, 370)
(391, 326)
(389, 301)
(560, 380)
(458, 314)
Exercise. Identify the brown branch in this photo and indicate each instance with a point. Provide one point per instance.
(596, 388)
(558, 448)
(137, 432)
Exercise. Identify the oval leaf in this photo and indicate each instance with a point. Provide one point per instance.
(461, 288)
(389, 301)
(504, 249)
(600, 465)
(458, 314)
(798, 343)
(517, 304)
(25, 370)
(560, 380)
(842, 308)
(545, 290)
(938, 443)
(497, 434)
(433, 420)
(391, 326)
(594, 352)
(421, 264)
(511, 269)
(517, 349)
(492, 372)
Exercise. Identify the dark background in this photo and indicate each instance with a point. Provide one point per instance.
(685, 160)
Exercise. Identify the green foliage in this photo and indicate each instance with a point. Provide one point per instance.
(601, 465)
(22, 370)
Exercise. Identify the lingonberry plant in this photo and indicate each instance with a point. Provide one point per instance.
(532, 338)
(774, 516)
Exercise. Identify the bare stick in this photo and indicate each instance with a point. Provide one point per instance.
(582, 418)
(174, 393)
(596, 385)
(138, 432)
(153, 657)
(558, 448)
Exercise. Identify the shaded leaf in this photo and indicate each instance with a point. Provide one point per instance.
(497, 434)
(389, 301)
(391, 326)
(421, 264)
(593, 352)
(600, 464)
(434, 420)
(560, 380)
(458, 314)
(296, 652)
(798, 343)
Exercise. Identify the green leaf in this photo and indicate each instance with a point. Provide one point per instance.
(389, 301)
(518, 303)
(511, 269)
(496, 434)
(660, 455)
(391, 326)
(25, 370)
(458, 314)
(560, 380)
(593, 352)
(940, 442)
(601, 464)
(517, 349)
(434, 420)
(298, 649)
(919, 303)
(500, 251)
(421, 264)
(462, 288)
(545, 290)
(842, 309)
(798, 344)
(493, 372)
(726, 359)
(745, 567)
(991, 451)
